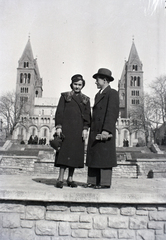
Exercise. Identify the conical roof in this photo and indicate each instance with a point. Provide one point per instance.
(27, 53)
(133, 56)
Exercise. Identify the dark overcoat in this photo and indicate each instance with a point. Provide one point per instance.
(73, 115)
(102, 154)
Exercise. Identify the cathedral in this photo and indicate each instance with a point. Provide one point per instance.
(39, 120)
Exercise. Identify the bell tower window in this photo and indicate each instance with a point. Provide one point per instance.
(29, 77)
(26, 64)
(134, 67)
(21, 78)
(36, 93)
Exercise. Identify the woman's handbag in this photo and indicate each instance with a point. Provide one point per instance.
(56, 143)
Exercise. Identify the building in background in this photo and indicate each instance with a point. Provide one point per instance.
(40, 119)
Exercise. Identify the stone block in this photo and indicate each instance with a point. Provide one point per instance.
(118, 222)
(9, 207)
(85, 218)
(146, 235)
(138, 223)
(81, 225)
(155, 225)
(157, 216)
(109, 210)
(35, 212)
(77, 209)
(47, 228)
(127, 211)
(57, 208)
(159, 232)
(126, 234)
(22, 234)
(146, 208)
(100, 222)
(79, 233)
(4, 234)
(27, 224)
(46, 238)
(142, 212)
(11, 220)
(94, 234)
(64, 229)
(62, 217)
(109, 233)
(92, 210)
(163, 208)
(160, 237)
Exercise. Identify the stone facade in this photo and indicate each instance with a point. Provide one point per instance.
(20, 220)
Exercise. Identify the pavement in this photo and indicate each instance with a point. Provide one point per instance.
(42, 188)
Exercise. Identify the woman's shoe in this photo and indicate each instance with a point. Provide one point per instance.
(71, 184)
(59, 184)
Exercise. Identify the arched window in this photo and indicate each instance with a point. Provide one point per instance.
(26, 64)
(138, 81)
(29, 77)
(135, 79)
(33, 132)
(25, 78)
(131, 81)
(134, 67)
(36, 93)
(45, 132)
(21, 78)
(125, 134)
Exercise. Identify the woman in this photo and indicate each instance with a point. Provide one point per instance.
(72, 118)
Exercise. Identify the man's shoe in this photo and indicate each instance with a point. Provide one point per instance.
(89, 185)
(101, 187)
(59, 184)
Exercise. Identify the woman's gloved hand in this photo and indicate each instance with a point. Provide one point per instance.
(59, 131)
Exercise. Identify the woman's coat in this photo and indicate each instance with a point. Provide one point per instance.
(73, 115)
(102, 154)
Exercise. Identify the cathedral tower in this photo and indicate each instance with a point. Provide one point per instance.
(29, 83)
(131, 83)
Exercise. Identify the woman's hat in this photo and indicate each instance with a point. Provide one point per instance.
(104, 72)
(76, 78)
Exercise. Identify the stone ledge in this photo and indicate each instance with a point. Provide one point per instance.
(41, 188)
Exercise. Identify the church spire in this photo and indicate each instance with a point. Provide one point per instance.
(133, 56)
(27, 53)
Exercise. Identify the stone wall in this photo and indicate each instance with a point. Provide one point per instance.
(20, 220)
(145, 166)
(32, 165)
(44, 164)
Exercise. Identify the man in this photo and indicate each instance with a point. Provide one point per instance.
(101, 151)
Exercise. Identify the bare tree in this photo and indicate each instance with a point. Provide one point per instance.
(158, 98)
(139, 119)
(11, 109)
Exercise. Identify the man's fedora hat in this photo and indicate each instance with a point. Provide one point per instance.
(104, 72)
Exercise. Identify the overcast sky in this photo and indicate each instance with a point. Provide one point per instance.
(81, 36)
